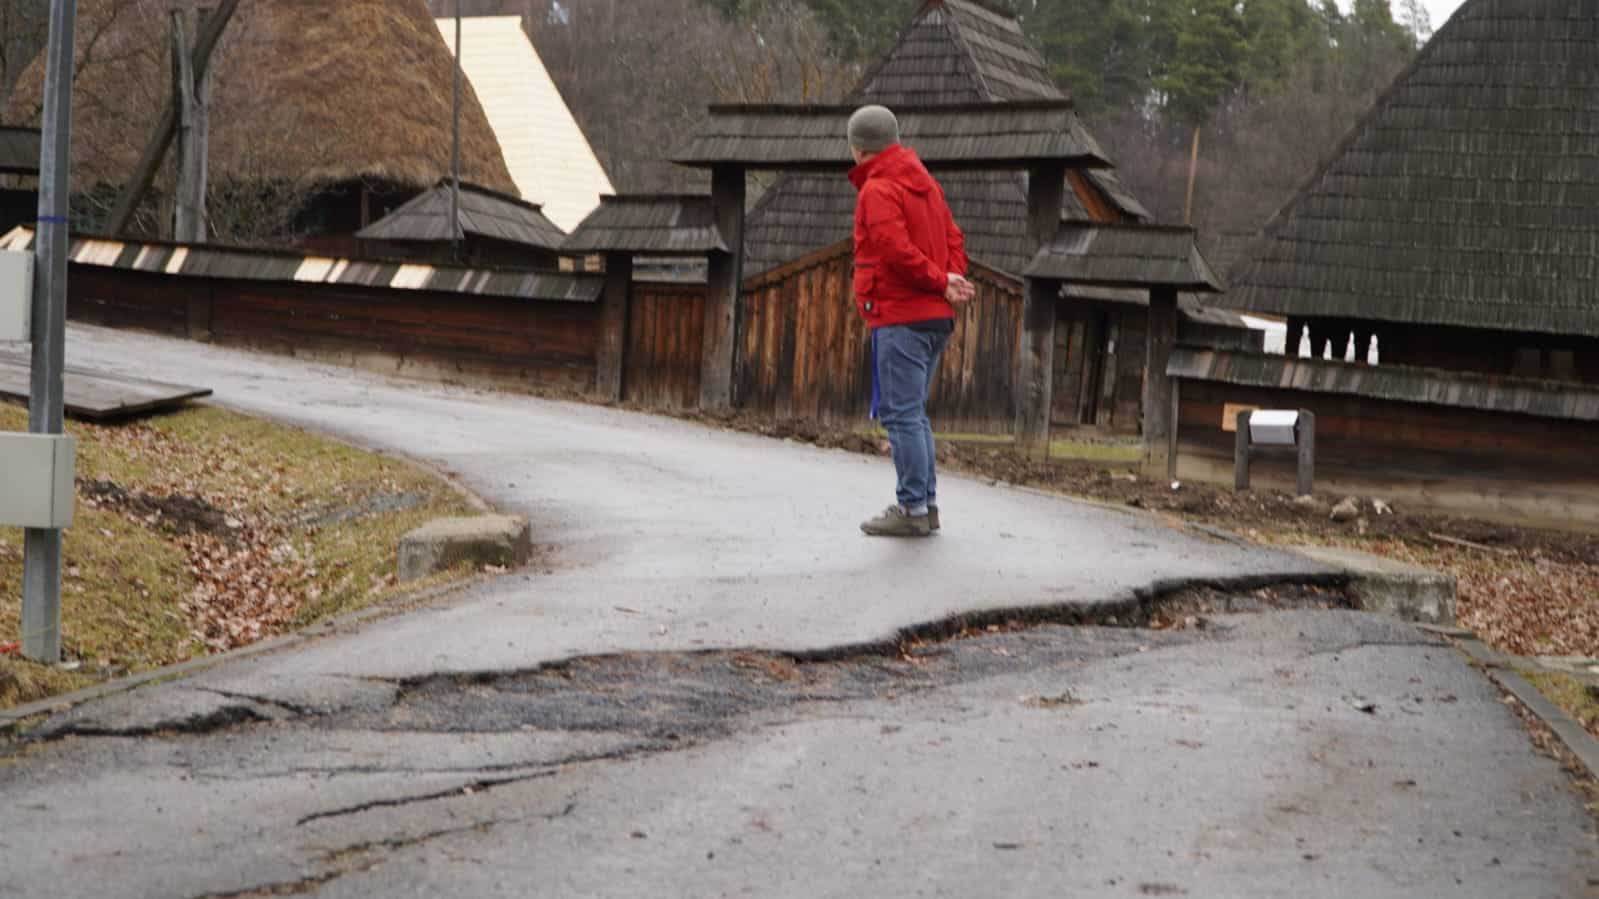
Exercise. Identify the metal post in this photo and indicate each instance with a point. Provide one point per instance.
(41, 571)
(455, 146)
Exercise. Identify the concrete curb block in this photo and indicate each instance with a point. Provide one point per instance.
(1501, 670)
(1388, 587)
(502, 540)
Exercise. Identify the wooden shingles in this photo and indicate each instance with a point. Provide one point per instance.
(1527, 396)
(1140, 256)
(235, 264)
(658, 224)
(987, 135)
(954, 52)
(1467, 195)
(483, 213)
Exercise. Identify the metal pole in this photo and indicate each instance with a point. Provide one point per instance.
(455, 150)
(41, 571)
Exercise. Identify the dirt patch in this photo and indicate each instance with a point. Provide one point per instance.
(173, 514)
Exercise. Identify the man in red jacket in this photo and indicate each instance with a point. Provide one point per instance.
(910, 267)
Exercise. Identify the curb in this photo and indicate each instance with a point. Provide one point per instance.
(1500, 669)
(11, 720)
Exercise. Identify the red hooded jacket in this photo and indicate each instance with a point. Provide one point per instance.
(906, 241)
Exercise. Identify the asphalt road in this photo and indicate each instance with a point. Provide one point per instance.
(604, 729)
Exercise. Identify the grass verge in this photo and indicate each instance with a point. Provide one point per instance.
(204, 530)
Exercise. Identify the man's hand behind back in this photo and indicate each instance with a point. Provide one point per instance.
(960, 290)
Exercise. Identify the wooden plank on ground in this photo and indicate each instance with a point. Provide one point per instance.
(99, 396)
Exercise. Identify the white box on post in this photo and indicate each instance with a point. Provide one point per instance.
(16, 295)
(36, 480)
(1273, 427)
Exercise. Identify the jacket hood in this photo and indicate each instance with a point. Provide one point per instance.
(899, 164)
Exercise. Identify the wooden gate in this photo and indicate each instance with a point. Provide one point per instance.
(665, 326)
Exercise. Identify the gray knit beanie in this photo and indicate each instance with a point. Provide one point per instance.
(873, 129)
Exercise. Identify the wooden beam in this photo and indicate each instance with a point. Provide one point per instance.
(1160, 339)
(726, 276)
(167, 125)
(1035, 375)
(610, 356)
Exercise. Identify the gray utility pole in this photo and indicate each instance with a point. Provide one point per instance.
(455, 146)
(192, 96)
(41, 566)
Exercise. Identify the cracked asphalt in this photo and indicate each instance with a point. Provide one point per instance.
(707, 695)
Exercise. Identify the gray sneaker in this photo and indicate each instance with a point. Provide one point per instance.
(895, 523)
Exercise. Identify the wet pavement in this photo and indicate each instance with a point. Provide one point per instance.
(715, 690)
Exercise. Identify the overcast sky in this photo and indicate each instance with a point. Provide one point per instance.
(1440, 11)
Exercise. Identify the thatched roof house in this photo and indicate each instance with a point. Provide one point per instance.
(952, 52)
(307, 92)
(1459, 220)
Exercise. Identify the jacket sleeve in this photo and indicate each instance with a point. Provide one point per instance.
(958, 262)
(889, 234)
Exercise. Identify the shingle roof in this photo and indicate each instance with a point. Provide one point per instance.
(550, 159)
(483, 213)
(657, 224)
(952, 52)
(1126, 256)
(1465, 390)
(969, 135)
(232, 263)
(1467, 196)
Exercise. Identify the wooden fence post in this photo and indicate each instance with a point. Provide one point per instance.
(611, 354)
(726, 278)
(1035, 364)
(1307, 452)
(1241, 453)
(1160, 341)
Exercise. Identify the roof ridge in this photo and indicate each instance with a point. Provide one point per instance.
(968, 58)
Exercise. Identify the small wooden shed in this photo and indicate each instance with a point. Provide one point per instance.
(491, 228)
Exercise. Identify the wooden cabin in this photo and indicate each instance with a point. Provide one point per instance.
(341, 111)
(1457, 226)
(955, 53)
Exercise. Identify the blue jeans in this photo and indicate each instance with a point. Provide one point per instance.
(907, 359)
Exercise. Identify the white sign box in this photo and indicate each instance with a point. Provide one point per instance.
(16, 295)
(1273, 427)
(36, 480)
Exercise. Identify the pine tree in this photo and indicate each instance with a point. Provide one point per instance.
(1210, 63)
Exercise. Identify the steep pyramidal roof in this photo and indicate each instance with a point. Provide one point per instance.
(953, 51)
(1467, 196)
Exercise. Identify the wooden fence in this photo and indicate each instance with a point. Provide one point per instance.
(514, 342)
(803, 350)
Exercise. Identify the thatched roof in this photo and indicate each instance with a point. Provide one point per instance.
(1135, 256)
(657, 224)
(481, 213)
(306, 92)
(952, 52)
(1467, 196)
(969, 135)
